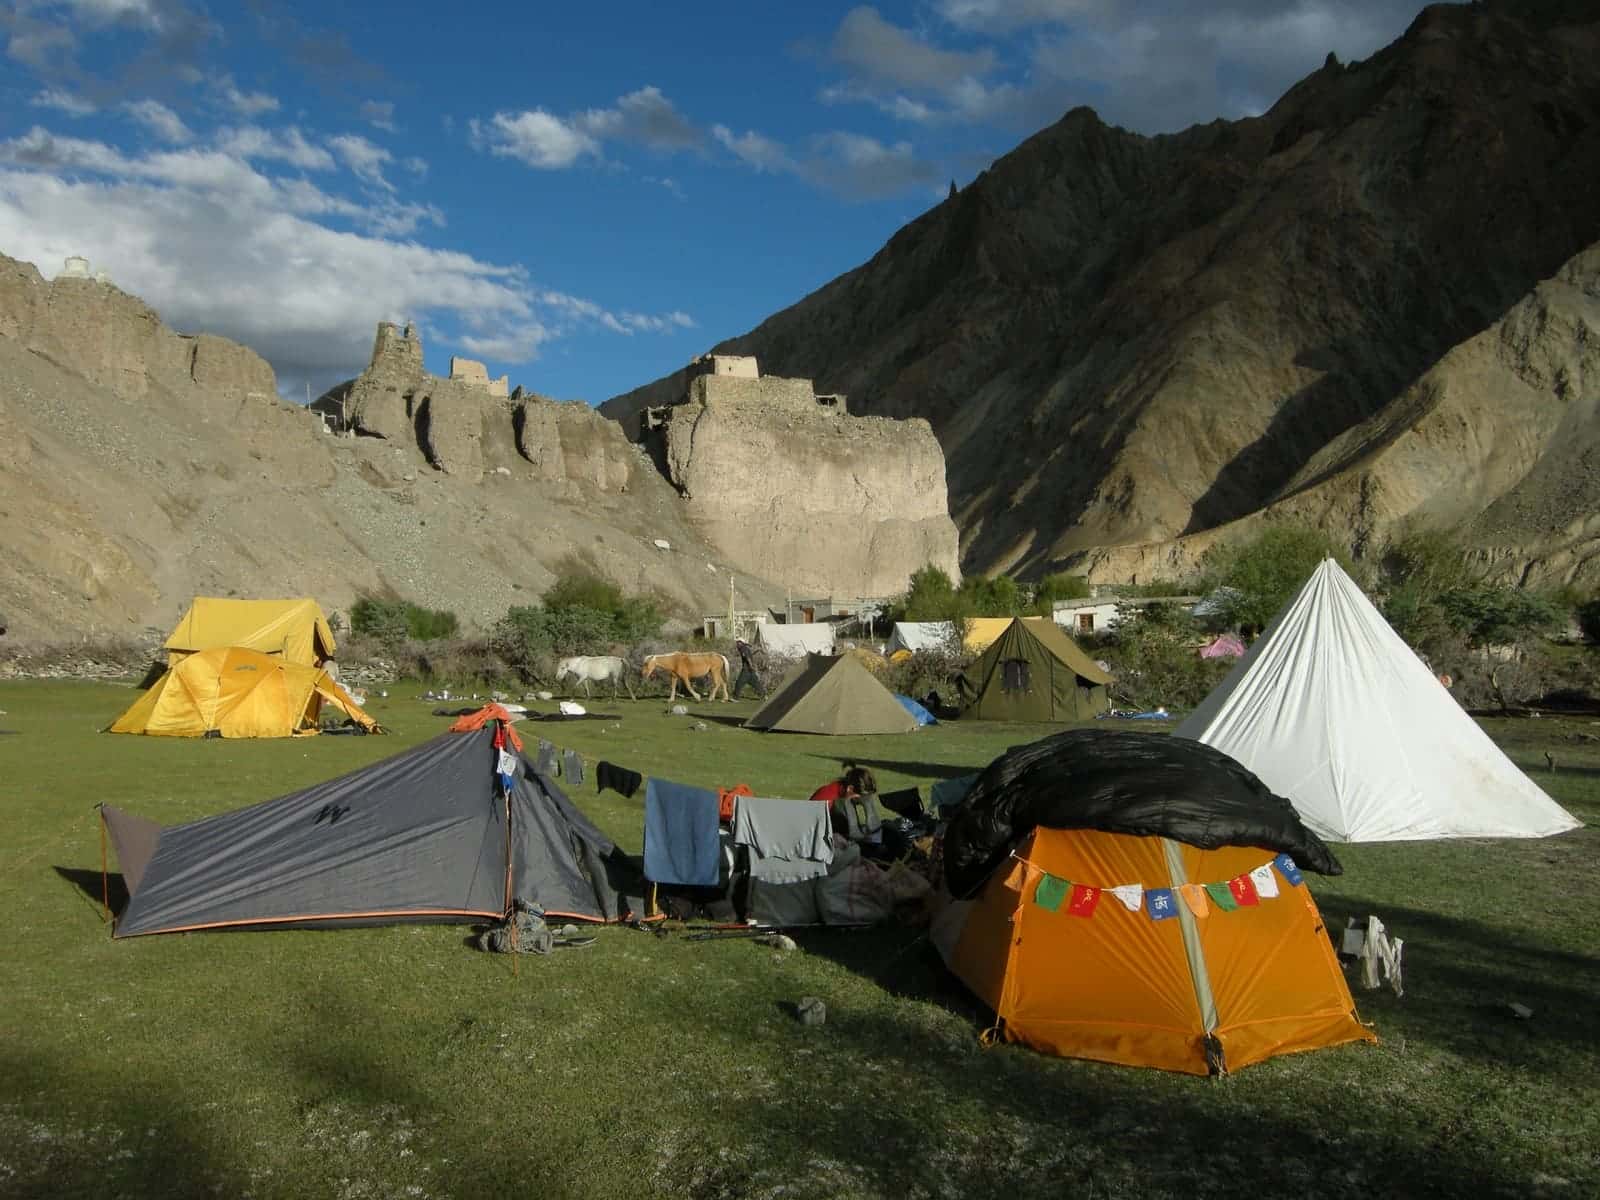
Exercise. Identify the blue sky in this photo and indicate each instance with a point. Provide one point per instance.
(583, 195)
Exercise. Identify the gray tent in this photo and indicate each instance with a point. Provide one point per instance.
(428, 835)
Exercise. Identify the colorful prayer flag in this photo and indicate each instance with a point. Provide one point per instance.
(1266, 882)
(1244, 891)
(1018, 876)
(1131, 895)
(1084, 900)
(1160, 903)
(1050, 893)
(1222, 896)
(1287, 869)
(1195, 897)
(507, 764)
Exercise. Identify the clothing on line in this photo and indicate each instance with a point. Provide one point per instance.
(680, 834)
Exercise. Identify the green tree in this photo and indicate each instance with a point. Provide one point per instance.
(1059, 586)
(932, 597)
(999, 596)
(1268, 569)
(1498, 616)
(1416, 568)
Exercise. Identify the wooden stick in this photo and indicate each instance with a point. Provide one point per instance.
(105, 883)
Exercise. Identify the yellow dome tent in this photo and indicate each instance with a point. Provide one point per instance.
(295, 629)
(233, 692)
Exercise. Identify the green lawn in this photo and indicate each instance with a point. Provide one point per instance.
(398, 1062)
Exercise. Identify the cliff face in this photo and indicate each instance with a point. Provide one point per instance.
(793, 490)
(1500, 439)
(139, 467)
(1126, 342)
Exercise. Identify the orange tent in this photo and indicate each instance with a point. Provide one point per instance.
(1198, 994)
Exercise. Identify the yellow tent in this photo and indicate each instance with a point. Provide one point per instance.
(294, 629)
(982, 632)
(1198, 994)
(233, 692)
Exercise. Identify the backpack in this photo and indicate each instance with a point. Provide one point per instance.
(858, 818)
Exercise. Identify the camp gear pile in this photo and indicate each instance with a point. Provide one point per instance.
(1120, 782)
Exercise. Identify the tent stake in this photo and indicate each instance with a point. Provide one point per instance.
(105, 884)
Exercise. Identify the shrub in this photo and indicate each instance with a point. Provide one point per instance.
(591, 602)
(394, 621)
(1589, 620)
(927, 671)
(1155, 660)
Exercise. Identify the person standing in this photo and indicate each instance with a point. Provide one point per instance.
(747, 670)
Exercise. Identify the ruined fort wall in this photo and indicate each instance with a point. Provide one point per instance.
(118, 341)
(801, 493)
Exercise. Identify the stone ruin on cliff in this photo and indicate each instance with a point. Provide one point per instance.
(785, 484)
(792, 487)
(468, 425)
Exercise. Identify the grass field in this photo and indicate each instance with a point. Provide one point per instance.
(399, 1063)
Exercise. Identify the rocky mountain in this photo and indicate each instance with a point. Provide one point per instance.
(140, 467)
(1338, 310)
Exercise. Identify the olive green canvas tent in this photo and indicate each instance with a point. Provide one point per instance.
(1034, 672)
(832, 695)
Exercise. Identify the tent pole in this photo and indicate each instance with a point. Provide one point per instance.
(105, 884)
(653, 909)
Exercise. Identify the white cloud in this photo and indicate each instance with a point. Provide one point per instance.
(669, 183)
(871, 48)
(850, 164)
(417, 166)
(281, 145)
(865, 168)
(534, 137)
(159, 120)
(380, 113)
(1004, 16)
(755, 150)
(1161, 65)
(518, 342)
(647, 323)
(38, 44)
(216, 244)
(108, 12)
(246, 104)
(364, 159)
(644, 116)
(63, 101)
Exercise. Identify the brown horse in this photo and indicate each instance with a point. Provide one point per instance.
(685, 668)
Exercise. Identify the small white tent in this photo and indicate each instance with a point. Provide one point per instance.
(1333, 710)
(920, 635)
(795, 641)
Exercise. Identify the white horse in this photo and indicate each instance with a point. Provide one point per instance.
(587, 669)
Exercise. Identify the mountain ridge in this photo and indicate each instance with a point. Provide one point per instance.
(1125, 341)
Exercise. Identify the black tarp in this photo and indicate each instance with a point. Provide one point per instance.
(421, 836)
(1121, 782)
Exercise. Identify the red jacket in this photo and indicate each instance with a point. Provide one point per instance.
(829, 792)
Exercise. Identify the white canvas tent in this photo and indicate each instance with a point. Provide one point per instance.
(795, 641)
(919, 635)
(1333, 710)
